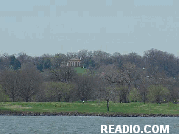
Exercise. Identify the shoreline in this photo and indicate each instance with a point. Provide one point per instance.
(15, 113)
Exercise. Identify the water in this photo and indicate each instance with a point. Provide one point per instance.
(76, 124)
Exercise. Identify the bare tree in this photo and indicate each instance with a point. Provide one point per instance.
(29, 81)
(24, 58)
(144, 83)
(123, 93)
(120, 77)
(174, 91)
(58, 60)
(57, 91)
(104, 90)
(63, 74)
(85, 86)
(71, 55)
(108, 77)
(9, 81)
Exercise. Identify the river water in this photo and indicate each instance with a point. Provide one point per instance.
(77, 124)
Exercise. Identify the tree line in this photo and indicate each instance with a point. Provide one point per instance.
(152, 77)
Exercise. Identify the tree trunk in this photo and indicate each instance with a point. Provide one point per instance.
(144, 97)
(26, 99)
(67, 99)
(13, 99)
(107, 105)
(59, 98)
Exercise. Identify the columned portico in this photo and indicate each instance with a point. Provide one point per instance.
(74, 62)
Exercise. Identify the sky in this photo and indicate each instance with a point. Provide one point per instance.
(38, 27)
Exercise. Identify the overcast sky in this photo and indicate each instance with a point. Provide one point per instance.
(38, 27)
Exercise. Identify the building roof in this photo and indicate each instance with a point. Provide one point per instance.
(75, 59)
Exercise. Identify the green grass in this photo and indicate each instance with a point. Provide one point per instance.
(91, 107)
(80, 70)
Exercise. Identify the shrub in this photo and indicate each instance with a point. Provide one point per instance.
(158, 94)
(134, 95)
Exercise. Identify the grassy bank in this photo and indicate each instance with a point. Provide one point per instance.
(91, 107)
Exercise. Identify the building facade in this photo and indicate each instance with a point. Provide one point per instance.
(74, 62)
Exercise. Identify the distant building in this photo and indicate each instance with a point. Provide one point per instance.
(74, 62)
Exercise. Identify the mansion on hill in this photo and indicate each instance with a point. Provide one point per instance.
(74, 62)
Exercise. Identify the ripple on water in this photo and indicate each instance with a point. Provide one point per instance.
(76, 124)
